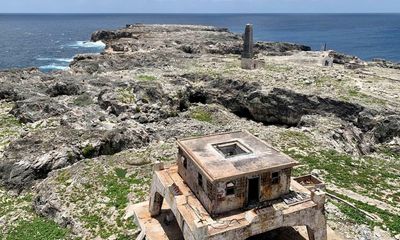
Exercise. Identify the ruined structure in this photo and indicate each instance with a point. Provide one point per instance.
(327, 59)
(248, 61)
(228, 186)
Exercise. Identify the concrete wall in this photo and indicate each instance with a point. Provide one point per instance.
(271, 191)
(214, 197)
(190, 176)
(268, 191)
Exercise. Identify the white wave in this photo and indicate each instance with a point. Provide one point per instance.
(52, 67)
(67, 60)
(87, 44)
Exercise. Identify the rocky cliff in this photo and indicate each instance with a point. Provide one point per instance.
(80, 143)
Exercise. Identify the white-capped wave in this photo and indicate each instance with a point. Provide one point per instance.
(67, 60)
(52, 67)
(87, 44)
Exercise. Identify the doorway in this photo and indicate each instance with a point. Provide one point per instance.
(253, 194)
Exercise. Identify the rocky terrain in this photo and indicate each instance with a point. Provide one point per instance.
(77, 146)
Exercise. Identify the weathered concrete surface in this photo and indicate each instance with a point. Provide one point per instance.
(156, 228)
(196, 223)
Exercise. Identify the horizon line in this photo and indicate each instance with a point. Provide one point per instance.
(193, 13)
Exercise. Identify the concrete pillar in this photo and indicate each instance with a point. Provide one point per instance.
(156, 202)
(317, 229)
(156, 199)
(318, 197)
(158, 166)
(248, 42)
(317, 233)
(310, 233)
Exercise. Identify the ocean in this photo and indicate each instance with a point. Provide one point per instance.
(50, 41)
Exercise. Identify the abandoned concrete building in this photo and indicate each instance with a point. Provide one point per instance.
(229, 186)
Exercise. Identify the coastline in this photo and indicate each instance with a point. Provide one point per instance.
(80, 143)
(50, 36)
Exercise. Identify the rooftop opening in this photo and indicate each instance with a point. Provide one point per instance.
(231, 149)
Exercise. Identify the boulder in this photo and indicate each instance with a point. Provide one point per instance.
(35, 109)
(34, 156)
(64, 88)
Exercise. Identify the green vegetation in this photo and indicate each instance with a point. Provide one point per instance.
(353, 214)
(278, 68)
(201, 115)
(389, 152)
(83, 100)
(118, 186)
(390, 221)
(202, 72)
(8, 121)
(28, 225)
(91, 220)
(324, 80)
(146, 78)
(121, 173)
(88, 151)
(9, 125)
(63, 176)
(296, 139)
(36, 229)
(9, 204)
(365, 175)
(353, 93)
(126, 96)
(369, 176)
(106, 195)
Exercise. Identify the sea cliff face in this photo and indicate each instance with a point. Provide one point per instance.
(79, 144)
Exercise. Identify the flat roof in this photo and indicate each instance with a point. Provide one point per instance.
(229, 155)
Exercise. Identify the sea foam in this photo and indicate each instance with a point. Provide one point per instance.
(67, 60)
(87, 44)
(52, 67)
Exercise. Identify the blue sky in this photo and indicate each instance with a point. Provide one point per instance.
(199, 6)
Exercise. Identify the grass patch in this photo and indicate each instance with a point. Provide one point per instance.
(8, 121)
(295, 139)
(202, 72)
(201, 115)
(146, 78)
(92, 221)
(88, 151)
(389, 152)
(323, 81)
(390, 221)
(37, 229)
(121, 173)
(8, 203)
(365, 175)
(126, 96)
(9, 125)
(98, 201)
(63, 177)
(118, 186)
(353, 214)
(278, 68)
(353, 93)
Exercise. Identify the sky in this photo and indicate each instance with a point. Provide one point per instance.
(200, 6)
